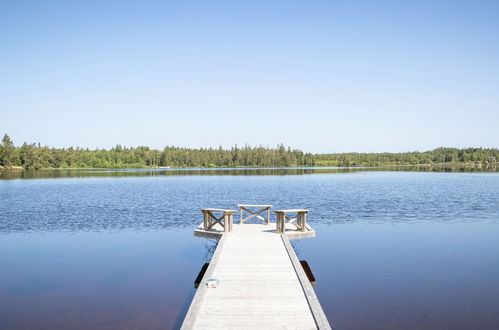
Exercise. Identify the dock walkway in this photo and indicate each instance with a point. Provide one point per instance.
(262, 285)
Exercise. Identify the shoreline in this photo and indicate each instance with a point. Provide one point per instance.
(462, 165)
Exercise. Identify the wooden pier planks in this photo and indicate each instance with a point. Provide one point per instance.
(261, 287)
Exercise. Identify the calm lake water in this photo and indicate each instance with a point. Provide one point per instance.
(115, 249)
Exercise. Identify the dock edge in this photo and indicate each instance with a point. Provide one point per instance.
(320, 318)
(190, 317)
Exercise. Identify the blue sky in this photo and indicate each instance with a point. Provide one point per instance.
(366, 76)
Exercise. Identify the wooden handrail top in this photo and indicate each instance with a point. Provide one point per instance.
(251, 205)
(291, 211)
(219, 210)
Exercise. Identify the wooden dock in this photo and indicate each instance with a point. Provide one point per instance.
(261, 283)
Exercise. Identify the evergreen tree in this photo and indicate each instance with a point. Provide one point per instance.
(35, 156)
(9, 155)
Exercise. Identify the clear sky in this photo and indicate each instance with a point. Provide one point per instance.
(364, 76)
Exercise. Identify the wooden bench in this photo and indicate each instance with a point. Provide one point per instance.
(225, 220)
(254, 213)
(299, 221)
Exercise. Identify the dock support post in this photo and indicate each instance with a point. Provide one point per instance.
(280, 223)
(206, 220)
(303, 220)
(228, 220)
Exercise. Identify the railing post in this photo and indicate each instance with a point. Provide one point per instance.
(304, 221)
(205, 219)
(226, 222)
(280, 222)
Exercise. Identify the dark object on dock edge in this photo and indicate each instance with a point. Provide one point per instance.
(198, 279)
(308, 271)
(303, 263)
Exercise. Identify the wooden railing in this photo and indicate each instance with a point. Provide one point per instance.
(225, 220)
(299, 220)
(249, 208)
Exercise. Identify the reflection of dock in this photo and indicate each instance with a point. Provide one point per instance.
(257, 281)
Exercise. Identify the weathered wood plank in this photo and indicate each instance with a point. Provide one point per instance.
(219, 210)
(260, 286)
(289, 230)
(315, 306)
(191, 315)
(292, 210)
(254, 213)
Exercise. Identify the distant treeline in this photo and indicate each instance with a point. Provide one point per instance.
(473, 156)
(37, 156)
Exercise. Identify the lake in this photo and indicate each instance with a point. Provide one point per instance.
(114, 249)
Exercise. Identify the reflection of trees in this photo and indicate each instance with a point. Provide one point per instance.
(488, 166)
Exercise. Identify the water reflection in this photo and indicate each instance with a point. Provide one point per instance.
(161, 202)
(407, 276)
(394, 250)
(139, 280)
(369, 276)
(82, 173)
